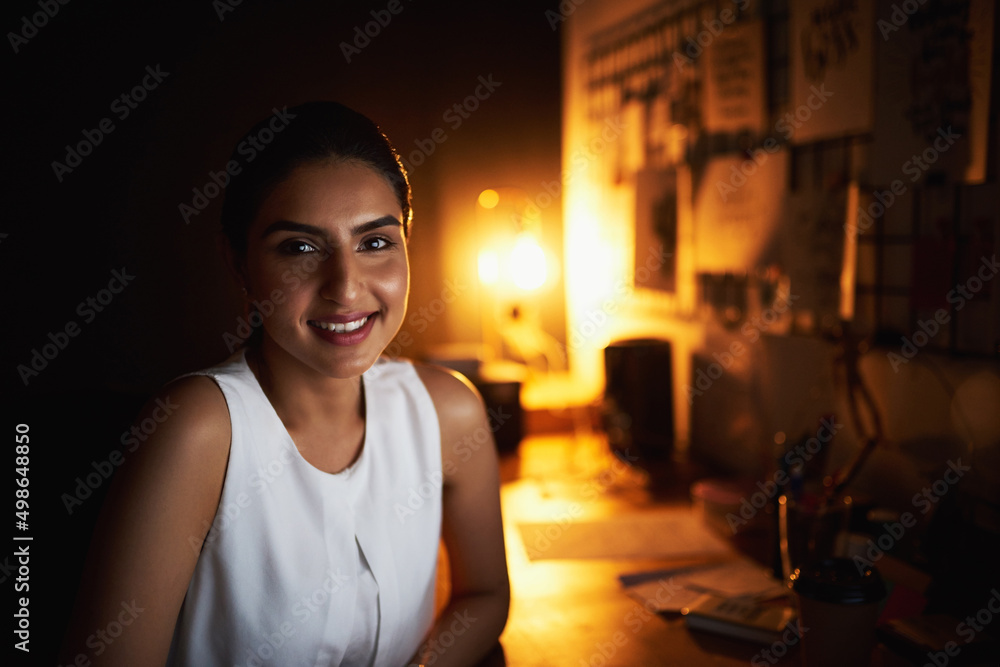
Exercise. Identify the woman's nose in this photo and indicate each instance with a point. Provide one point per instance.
(341, 277)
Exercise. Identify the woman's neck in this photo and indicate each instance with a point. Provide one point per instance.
(301, 396)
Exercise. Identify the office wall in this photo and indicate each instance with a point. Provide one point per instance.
(754, 306)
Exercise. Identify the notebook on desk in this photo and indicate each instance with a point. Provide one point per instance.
(742, 618)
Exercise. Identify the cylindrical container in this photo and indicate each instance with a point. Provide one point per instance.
(838, 606)
(638, 399)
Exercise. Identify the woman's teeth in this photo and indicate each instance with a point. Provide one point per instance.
(341, 328)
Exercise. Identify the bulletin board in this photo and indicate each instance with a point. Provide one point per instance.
(780, 115)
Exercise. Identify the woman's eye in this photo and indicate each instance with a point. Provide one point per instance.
(297, 247)
(377, 243)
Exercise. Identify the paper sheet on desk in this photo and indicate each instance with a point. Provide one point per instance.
(659, 534)
(671, 590)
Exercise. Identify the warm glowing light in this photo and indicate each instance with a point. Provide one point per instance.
(591, 259)
(489, 267)
(527, 264)
(849, 263)
(489, 198)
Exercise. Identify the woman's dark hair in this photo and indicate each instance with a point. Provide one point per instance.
(315, 132)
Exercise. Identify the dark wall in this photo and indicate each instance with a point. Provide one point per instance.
(65, 235)
(119, 208)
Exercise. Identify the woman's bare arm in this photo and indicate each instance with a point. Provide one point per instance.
(473, 533)
(157, 512)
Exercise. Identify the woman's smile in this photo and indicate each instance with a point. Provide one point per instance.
(345, 333)
(342, 324)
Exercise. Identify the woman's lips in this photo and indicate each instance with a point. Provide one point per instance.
(340, 330)
(341, 327)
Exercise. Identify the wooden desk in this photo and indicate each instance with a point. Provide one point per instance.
(584, 619)
(573, 612)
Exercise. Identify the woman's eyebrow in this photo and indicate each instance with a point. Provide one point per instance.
(289, 226)
(303, 228)
(384, 221)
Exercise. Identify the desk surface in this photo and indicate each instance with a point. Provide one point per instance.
(573, 612)
(584, 618)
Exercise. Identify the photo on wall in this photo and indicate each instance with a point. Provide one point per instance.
(832, 81)
(656, 227)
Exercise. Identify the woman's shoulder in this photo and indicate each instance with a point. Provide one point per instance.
(454, 396)
(185, 419)
(197, 399)
(462, 420)
(449, 388)
(189, 412)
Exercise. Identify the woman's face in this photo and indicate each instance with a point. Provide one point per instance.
(327, 251)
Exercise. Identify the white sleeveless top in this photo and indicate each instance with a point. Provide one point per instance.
(304, 567)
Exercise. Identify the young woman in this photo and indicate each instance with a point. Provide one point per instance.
(289, 511)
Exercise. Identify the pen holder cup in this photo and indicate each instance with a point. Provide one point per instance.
(809, 532)
(838, 605)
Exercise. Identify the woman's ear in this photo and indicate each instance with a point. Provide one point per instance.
(233, 263)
